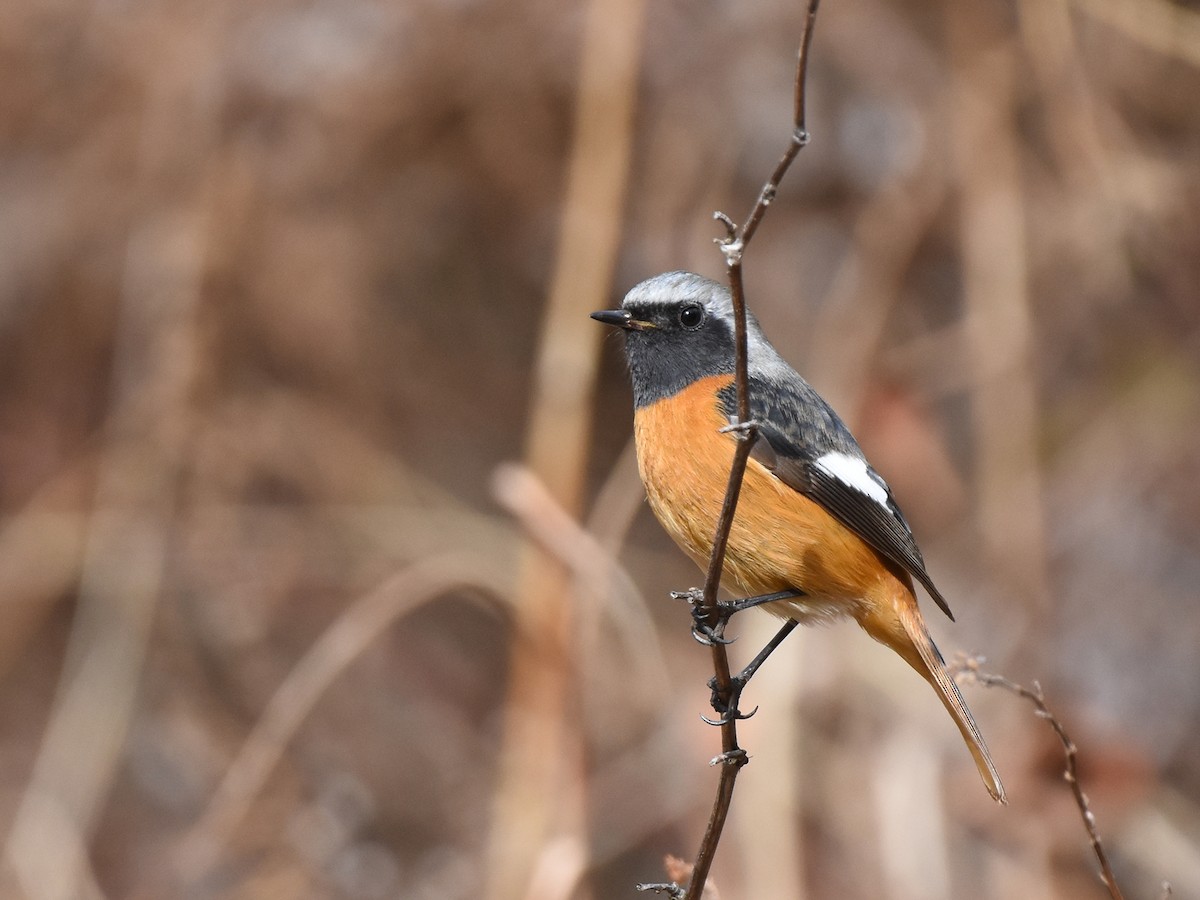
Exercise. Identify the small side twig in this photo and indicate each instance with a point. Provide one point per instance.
(678, 870)
(970, 667)
(733, 247)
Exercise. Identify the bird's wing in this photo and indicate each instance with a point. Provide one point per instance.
(807, 447)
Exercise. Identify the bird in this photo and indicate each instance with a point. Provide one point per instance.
(813, 517)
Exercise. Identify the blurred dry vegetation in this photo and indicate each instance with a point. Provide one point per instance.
(273, 279)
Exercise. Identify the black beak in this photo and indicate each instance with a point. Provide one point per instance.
(621, 318)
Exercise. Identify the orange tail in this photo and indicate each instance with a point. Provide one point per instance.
(912, 641)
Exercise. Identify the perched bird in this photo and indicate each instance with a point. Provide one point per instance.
(813, 515)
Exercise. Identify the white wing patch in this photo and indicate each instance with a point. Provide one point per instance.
(852, 471)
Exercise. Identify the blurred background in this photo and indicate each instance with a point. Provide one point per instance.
(324, 566)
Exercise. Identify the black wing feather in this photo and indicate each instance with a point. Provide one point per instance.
(884, 529)
(792, 459)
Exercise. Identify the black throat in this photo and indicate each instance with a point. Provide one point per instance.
(663, 364)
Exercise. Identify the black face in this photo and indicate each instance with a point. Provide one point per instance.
(669, 346)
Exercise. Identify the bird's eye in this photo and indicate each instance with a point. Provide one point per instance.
(691, 315)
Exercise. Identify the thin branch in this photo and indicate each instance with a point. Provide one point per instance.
(799, 139)
(733, 246)
(970, 666)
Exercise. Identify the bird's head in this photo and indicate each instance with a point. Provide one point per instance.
(678, 328)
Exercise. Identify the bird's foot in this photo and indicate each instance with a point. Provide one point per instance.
(726, 703)
(708, 624)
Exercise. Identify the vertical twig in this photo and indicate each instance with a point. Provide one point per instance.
(733, 246)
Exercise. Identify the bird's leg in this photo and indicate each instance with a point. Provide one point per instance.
(708, 625)
(735, 606)
(727, 706)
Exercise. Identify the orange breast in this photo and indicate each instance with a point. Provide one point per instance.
(780, 539)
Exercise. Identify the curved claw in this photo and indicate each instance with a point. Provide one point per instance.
(708, 636)
(730, 716)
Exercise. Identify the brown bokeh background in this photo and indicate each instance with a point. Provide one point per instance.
(284, 285)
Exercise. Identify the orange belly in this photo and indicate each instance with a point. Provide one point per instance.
(780, 539)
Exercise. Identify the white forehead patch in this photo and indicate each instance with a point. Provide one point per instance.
(852, 471)
(672, 288)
